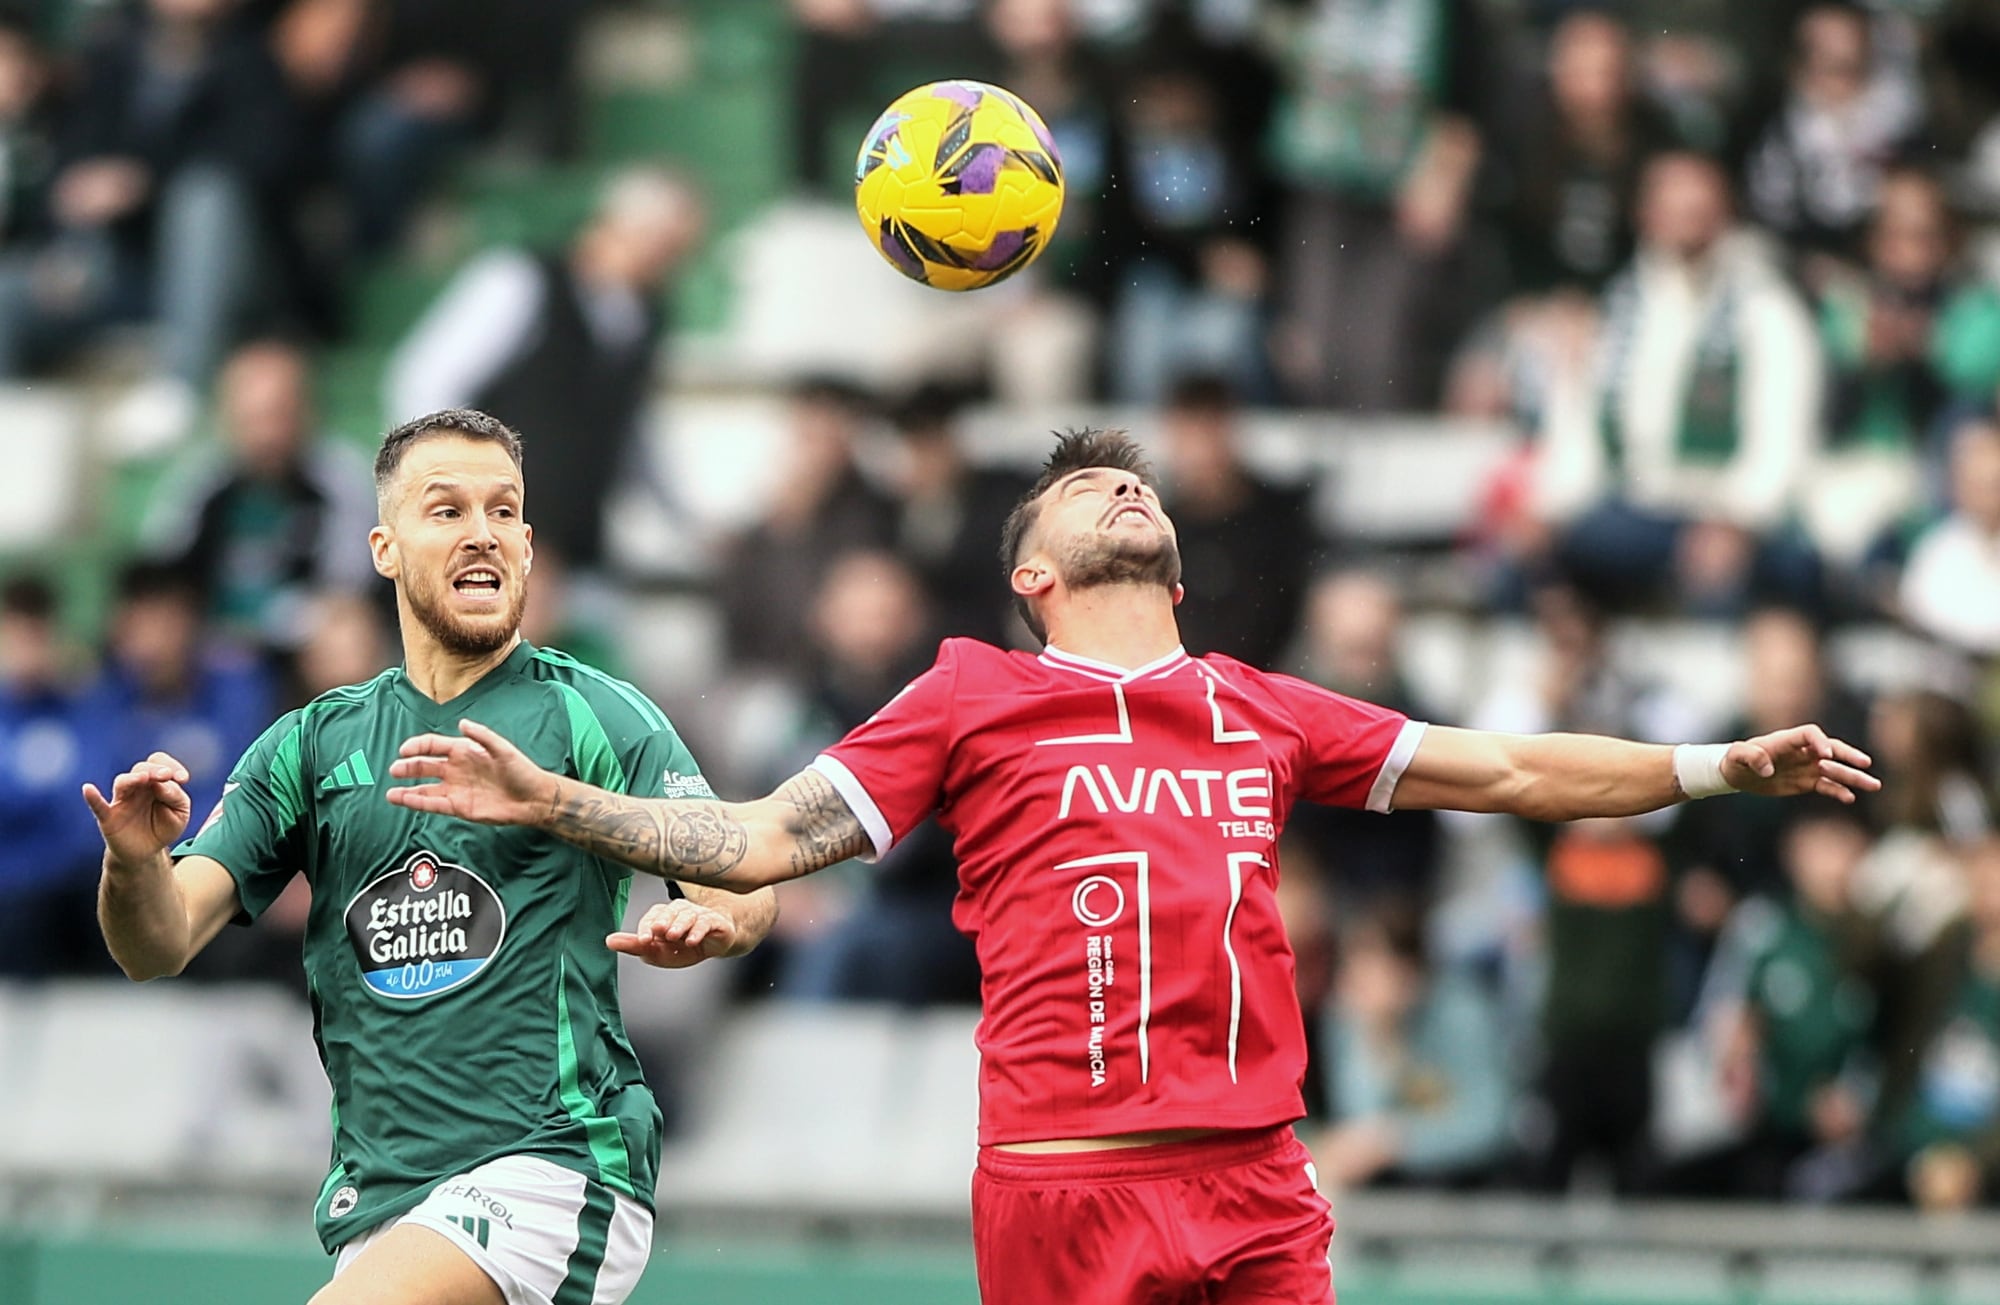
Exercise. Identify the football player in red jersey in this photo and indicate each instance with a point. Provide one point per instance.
(1116, 805)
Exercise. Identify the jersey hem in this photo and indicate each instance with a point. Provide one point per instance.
(1382, 795)
(851, 789)
(1273, 1115)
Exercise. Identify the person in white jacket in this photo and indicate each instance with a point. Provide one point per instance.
(1673, 451)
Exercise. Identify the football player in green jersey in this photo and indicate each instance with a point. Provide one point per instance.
(493, 1140)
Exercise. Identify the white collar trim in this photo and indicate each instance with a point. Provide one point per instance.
(1054, 656)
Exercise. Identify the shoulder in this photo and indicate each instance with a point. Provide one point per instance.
(613, 705)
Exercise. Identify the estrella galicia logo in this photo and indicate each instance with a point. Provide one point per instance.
(424, 928)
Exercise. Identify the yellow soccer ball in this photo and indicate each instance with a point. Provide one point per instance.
(958, 185)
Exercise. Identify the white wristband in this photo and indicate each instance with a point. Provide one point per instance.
(1698, 769)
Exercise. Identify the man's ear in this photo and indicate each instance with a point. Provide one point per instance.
(1180, 592)
(382, 546)
(1033, 577)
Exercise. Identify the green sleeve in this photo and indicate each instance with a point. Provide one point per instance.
(660, 765)
(256, 830)
(1966, 348)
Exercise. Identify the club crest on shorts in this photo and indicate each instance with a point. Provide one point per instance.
(424, 928)
(343, 1203)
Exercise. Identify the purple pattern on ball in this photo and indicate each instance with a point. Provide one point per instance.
(998, 254)
(959, 93)
(980, 170)
(900, 254)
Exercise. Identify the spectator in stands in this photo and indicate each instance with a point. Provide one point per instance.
(1678, 456)
(890, 938)
(577, 619)
(274, 512)
(1246, 544)
(167, 688)
(50, 742)
(400, 88)
(563, 347)
(948, 513)
(29, 119)
(1914, 337)
(822, 508)
(1951, 1131)
(1951, 585)
(1047, 347)
(1609, 888)
(1813, 171)
(1799, 1058)
(1375, 139)
(1362, 860)
(1567, 163)
(1728, 850)
(1417, 1076)
(1185, 231)
(181, 138)
(347, 641)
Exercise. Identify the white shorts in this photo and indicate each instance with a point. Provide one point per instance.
(546, 1235)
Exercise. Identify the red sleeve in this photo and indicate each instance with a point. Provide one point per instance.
(1354, 751)
(890, 767)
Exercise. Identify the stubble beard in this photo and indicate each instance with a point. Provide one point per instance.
(460, 637)
(1096, 560)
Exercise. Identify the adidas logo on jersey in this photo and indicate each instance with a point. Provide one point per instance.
(351, 773)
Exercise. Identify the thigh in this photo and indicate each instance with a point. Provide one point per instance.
(410, 1265)
(1083, 1244)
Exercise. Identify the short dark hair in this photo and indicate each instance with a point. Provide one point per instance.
(1075, 450)
(459, 423)
(146, 580)
(28, 598)
(1202, 392)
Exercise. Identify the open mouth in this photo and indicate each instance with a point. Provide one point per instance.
(1130, 510)
(478, 582)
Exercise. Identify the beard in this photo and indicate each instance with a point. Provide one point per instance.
(1094, 560)
(455, 634)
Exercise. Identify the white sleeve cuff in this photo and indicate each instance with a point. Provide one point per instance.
(1382, 796)
(856, 796)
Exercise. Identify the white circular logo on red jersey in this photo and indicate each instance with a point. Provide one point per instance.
(1092, 907)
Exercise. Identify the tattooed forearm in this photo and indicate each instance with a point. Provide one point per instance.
(700, 842)
(805, 826)
(824, 829)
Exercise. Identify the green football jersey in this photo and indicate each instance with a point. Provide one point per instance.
(464, 1002)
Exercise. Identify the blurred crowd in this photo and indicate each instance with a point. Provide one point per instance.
(1725, 272)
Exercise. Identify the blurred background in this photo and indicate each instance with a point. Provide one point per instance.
(1517, 363)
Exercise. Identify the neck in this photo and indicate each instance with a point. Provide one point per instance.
(439, 673)
(1127, 626)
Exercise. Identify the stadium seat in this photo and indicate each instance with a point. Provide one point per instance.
(39, 495)
(936, 1112)
(789, 1111)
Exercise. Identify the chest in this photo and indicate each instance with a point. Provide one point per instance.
(1187, 750)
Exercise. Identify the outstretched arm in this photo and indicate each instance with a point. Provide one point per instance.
(1572, 776)
(156, 913)
(740, 846)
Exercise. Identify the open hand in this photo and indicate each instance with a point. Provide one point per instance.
(479, 777)
(147, 811)
(1796, 761)
(674, 935)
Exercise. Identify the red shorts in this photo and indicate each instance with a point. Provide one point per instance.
(1219, 1221)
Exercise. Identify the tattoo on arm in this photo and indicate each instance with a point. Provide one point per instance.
(696, 841)
(823, 827)
(703, 842)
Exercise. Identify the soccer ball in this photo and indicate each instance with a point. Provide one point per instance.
(958, 185)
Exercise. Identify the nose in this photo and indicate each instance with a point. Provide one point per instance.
(479, 533)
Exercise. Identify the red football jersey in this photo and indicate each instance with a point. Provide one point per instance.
(1117, 845)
